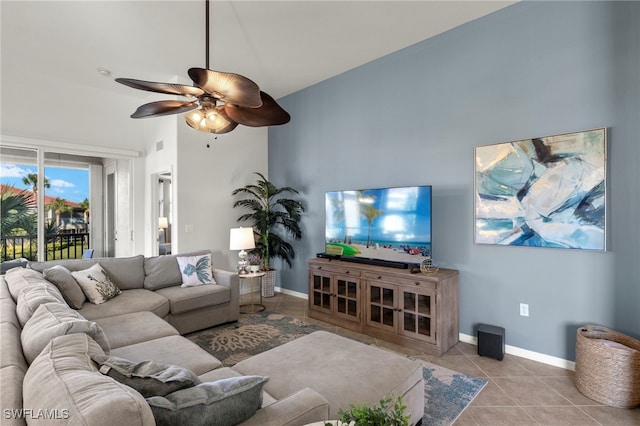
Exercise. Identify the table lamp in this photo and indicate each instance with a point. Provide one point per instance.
(241, 239)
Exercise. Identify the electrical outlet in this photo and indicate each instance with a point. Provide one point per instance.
(524, 309)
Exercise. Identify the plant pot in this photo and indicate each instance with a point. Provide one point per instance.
(254, 268)
(269, 283)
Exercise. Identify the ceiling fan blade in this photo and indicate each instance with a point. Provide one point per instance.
(269, 114)
(217, 123)
(167, 88)
(227, 87)
(159, 108)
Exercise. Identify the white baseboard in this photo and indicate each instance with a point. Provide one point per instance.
(525, 353)
(291, 293)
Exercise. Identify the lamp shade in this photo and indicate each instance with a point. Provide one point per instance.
(241, 239)
(163, 223)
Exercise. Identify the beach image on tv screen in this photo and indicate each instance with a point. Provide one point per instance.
(386, 223)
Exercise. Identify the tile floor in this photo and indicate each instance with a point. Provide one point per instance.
(519, 392)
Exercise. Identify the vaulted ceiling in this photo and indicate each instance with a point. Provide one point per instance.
(51, 50)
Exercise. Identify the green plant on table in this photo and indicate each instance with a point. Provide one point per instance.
(388, 412)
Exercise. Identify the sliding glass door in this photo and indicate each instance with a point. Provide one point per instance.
(19, 203)
(45, 204)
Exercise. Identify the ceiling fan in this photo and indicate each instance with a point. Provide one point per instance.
(222, 100)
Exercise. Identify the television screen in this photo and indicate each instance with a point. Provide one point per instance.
(392, 224)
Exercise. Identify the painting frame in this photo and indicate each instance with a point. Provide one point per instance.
(548, 191)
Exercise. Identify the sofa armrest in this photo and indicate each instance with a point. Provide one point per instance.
(232, 281)
(302, 407)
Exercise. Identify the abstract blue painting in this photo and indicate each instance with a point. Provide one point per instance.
(543, 192)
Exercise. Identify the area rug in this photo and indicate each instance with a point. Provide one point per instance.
(251, 335)
(446, 392)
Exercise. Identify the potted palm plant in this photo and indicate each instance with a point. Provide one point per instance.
(274, 217)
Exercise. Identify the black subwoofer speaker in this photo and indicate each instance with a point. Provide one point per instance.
(491, 341)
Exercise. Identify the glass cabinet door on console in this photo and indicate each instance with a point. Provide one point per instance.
(416, 315)
(337, 294)
(398, 309)
(347, 294)
(321, 297)
(381, 306)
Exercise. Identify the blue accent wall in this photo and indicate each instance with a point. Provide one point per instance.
(414, 117)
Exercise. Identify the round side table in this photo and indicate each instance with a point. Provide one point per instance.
(252, 307)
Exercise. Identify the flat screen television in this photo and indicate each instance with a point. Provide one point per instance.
(382, 224)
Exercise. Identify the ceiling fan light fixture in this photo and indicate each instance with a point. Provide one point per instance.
(210, 120)
(224, 99)
(211, 115)
(196, 119)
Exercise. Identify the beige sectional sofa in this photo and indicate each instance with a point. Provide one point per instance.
(49, 376)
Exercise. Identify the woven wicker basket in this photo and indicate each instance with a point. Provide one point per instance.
(608, 366)
(269, 283)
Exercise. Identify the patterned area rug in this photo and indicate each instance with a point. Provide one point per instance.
(251, 335)
(446, 392)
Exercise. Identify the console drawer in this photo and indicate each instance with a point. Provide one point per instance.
(409, 282)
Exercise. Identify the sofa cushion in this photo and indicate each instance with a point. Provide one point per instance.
(128, 301)
(185, 299)
(125, 272)
(64, 379)
(13, 367)
(163, 271)
(226, 402)
(195, 270)
(8, 312)
(10, 348)
(19, 278)
(148, 326)
(171, 350)
(35, 295)
(96, 284)
(54, 319)
(71, 291)
(147, 377)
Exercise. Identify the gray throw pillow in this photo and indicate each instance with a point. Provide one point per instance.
(147, 377)
(16, 263)
(61, 277)
(225, 402)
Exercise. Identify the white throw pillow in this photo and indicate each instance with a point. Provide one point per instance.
(96, 284)
(195, 270)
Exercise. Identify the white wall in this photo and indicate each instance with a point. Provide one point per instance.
(164, 131)
(203, 181)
